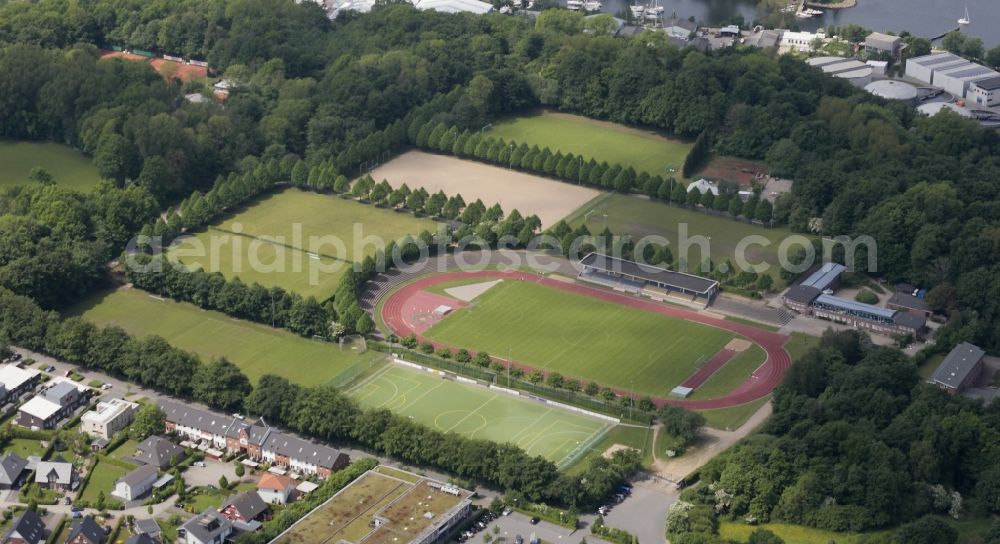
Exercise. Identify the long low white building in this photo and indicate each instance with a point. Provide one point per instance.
(957, 80)
(923, 68)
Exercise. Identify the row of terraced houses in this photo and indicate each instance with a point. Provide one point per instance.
(260, 442)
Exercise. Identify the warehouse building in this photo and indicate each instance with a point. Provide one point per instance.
(854, 71)
(959, 369)
(883, 44)
(923, 68)
(957, 80)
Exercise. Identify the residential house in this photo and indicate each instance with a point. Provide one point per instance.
(244, 507)
(259, 441)
(55, 475)
(959, 369)
(108, 418)
(85, 531)
(275, 488)
(141, 538)
(884, 45)
(147, 526)
(135, 484)
(158, 452)
(14, 381)
(27, 528)
(54, 403)
(209, 527)
(11, 469)
(704, 186)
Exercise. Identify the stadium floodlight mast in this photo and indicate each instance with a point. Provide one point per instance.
(510, 165)
(509, 362)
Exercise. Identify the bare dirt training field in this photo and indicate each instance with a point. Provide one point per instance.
(549, 200)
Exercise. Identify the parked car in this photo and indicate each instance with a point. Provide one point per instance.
(534, 521)
(507, 511)
(15, 357)
(76, 509)
(77, 514)
(106, 386)
(200, 464)
(518, 539)
(50, 368)
(67, 500)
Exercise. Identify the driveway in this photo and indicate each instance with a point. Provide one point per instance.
(210, 473)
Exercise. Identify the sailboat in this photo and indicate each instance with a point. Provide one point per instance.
(965, 20)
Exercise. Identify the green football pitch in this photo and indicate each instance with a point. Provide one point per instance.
(280, 240)
(598, 140)
(69, 167)
(256, 349)
(477, 412)
(582, 337)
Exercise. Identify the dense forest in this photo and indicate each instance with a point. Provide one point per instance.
(855, 442)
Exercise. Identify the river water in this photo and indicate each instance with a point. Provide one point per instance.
(921, 17)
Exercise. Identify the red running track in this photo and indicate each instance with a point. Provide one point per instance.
(762, 382)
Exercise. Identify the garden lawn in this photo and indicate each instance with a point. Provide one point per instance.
(23, 447)
(256, 349)
(581, 337)
(126, 449)
(598, 140)
(102, 478)
(643, 217)
(68, 167)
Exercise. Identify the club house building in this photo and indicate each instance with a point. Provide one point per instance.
(654, 282)
(383, 506)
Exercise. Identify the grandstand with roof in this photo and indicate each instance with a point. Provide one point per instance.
(648, 280)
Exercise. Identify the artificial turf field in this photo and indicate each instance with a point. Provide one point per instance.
(255, 349)
(292, 217)
(477, 412)
(582, 337)
(642, 217)
(598, 140)
(69, 167)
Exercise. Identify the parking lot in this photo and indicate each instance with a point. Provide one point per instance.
(509, 527)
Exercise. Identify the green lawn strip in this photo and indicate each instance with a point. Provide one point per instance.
(799, 344)
(477, 412)
(640, 217)
(616, 144)
(68, 167)
(640, 438)
(101, 478)
(732, 418)
(257, 349)
(927, 369)
(665, 442)
(969, 532)
(732, 374)
(582, 338)
(752, 323)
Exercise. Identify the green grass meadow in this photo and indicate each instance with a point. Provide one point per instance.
(102, 478)
(732, 374)
(69, 167)
(270, 242)
(256, 349)
(601, 141)
(476, 412)
(643, 217)
(582, 338)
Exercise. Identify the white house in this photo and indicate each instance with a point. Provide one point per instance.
(108, 418)
(275, 489)
(209, 527)
(135, 484)
(704, 186)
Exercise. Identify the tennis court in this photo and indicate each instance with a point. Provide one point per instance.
(477, 412)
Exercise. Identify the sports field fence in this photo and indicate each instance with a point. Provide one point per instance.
(470, 370)
(350, 374)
